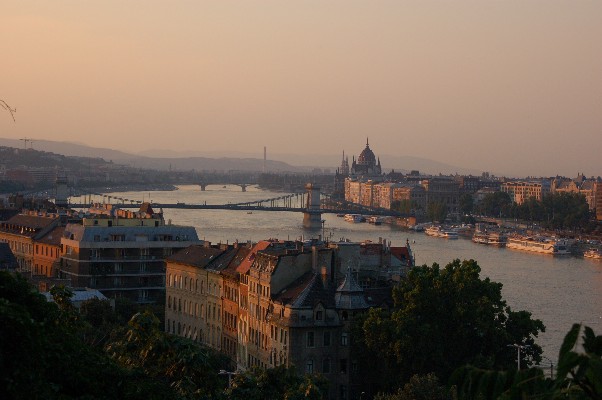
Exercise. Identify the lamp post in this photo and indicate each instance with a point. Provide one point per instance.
(229, 373)
(519, 347)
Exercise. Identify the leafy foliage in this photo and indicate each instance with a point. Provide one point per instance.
(582, 369)
(436, 211)
(183, 365)
(579, 374)
(276, 383)
(497, 204)
(444, 319)
(41, 354)
(420, 387)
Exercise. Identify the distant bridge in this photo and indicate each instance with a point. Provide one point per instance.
(309, 203)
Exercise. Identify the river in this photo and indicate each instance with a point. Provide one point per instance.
(559, 291)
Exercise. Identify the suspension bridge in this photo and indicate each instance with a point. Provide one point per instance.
(311, 203)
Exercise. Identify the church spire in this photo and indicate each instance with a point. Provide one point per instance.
(367, 145)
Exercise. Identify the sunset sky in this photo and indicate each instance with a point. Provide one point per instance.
(513, 87)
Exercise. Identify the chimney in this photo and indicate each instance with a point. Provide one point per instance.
(324, 273)
(314, 258)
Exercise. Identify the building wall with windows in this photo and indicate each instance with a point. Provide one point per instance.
(521, 191)
(280, 302)
(122, 257)
(21, 233)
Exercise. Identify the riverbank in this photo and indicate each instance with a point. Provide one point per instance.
(142, 188)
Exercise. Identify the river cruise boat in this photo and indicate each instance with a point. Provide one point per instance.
(490, 238)
(355, 218)
(557, 247)
(437, 231)
(434, 231)
(595, 254)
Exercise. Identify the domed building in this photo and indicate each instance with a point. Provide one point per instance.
(366, 168)
(367, 164)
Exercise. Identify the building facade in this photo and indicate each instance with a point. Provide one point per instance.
(520, 191)
(282, 303)
(22, 231)
(122, 253)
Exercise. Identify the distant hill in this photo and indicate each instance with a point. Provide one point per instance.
(139, 161)
(224, 161)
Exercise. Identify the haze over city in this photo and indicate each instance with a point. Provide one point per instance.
(510, 87)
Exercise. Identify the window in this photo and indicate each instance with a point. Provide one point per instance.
(343, 365)
(326, 338)
(309, 367)
(310, 339)
(344, 339)
(326, 366)
(319, 315)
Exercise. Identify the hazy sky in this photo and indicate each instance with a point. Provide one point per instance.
(508, 86)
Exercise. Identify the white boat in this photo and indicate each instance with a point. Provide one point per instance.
(480, 238)
(355, 218)
(490, 238)
(434, 231)
(497, 239)
(539, 245)
(595, 254)
(437, 231)
(374, 220)
(450, 234)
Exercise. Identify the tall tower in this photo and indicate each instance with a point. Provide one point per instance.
(265, 156)
(312, 216)
(61, 199)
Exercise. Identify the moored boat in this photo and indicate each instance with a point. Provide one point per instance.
(354, 218)
(434, 230)
(539, 245)
(376, 220)
(595, 254)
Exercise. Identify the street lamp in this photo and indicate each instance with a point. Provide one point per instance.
(519, 347)
(224, 372)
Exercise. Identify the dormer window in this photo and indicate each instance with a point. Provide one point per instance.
(319, 315)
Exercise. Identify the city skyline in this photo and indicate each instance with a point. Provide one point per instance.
(509, 87)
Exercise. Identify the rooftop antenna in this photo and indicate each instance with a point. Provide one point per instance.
(12, 111)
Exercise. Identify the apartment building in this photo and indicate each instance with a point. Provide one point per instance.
(122, 253)
(281, 302)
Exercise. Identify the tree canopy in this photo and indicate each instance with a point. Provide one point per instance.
(443, 319)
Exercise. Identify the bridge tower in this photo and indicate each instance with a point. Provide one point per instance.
(312, 216)
(61, 198)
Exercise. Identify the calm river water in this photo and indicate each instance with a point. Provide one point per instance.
(558, 290)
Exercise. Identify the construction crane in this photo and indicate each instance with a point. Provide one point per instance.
(12, 111)
(25, 141)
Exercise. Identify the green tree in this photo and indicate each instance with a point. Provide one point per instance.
(579, 369)
(444, 319)
(497, 204)
(403, 206)
(276, 383)
(436, 211)
(42, 354)
(579, 374)
(466, 203)
(420, 387)
(188, 368)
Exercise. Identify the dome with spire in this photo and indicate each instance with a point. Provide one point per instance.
(367, 157)
(367, 164)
